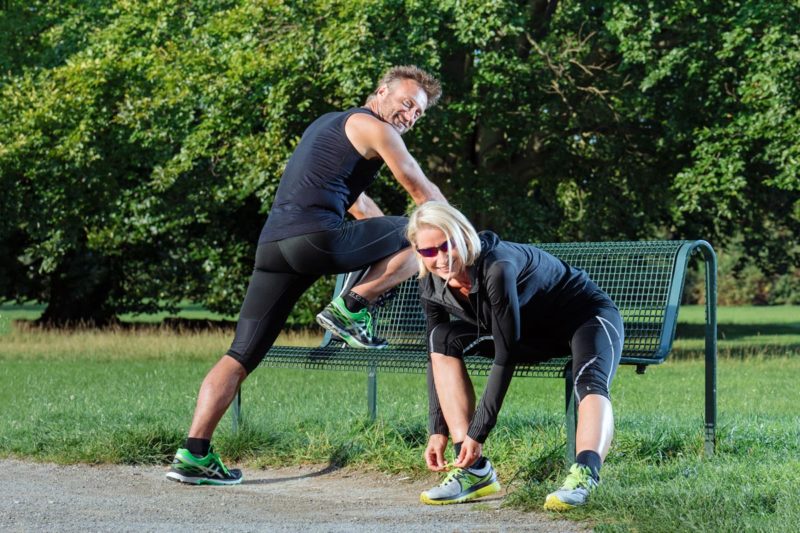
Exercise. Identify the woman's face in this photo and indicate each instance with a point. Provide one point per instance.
(432, 239)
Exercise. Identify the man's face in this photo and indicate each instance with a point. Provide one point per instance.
(401, 104)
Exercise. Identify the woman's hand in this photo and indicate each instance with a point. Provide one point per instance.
(434, 453)
(470, 451)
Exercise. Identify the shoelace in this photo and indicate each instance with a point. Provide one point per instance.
(215, 458)
(368, 325)
(579, 476)
(385, 298)
(453, 474)
(363, 319)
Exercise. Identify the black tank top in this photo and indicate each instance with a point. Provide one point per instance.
(322, 179)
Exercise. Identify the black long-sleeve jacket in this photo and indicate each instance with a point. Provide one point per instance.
(518, 292)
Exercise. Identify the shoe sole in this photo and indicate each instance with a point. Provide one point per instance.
(346, 337)
(552, 503)
(492, 488)
(193, 480)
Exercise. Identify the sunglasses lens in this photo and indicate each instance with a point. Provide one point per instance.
(433, 250)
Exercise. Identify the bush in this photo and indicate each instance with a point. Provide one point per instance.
(741, 281)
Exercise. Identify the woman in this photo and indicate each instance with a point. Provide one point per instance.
(517, 304)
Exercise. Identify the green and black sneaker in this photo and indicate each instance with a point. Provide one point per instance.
(207, 470)
(356, 329)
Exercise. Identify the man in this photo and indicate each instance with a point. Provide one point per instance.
(306, 236)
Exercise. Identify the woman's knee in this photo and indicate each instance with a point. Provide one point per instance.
(588, 384)
(440, 359)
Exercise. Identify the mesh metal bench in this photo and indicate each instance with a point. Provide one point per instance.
(645, 280)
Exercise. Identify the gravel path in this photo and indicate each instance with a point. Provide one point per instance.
(46, 497)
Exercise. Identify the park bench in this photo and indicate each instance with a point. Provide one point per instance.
(645, 279)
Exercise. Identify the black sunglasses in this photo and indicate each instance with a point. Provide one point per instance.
(433, 251)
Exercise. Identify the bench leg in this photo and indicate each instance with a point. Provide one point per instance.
(236, 411)
(711, 354)
(372, 392)
(710, 259)
(572, 414)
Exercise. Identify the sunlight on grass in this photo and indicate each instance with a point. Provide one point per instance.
(126, 395)
(123, 344)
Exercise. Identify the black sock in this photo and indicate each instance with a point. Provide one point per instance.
(354, 302)
(198, 447)
(592, 460)
(478, 464)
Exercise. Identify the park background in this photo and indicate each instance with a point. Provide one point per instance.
(141, 143)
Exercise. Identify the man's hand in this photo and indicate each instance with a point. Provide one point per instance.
(470, 451)
(365, 207)
(434, 453)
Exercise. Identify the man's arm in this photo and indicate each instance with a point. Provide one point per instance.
(365, 207)
(373, 137)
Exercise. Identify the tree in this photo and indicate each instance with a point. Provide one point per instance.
(141, 143)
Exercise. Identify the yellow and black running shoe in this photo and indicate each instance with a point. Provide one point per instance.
(462, 485)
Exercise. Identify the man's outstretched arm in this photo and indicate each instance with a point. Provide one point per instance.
(374, 138)
(405, 169)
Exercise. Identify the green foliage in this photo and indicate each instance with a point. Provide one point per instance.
(141, 143)
(742, 280)
(724, 78)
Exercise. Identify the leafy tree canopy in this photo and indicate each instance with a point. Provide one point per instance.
(141, 142)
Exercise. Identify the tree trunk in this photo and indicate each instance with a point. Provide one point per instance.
(79, 292)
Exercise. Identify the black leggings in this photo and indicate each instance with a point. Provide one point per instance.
(285, 269)
(596, 347)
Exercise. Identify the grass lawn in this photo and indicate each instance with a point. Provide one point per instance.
(127, 397)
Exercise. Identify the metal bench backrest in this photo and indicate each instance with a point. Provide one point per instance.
(645, 280)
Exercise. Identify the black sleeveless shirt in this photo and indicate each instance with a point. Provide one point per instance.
(322, 179)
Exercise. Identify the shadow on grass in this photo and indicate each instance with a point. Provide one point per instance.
(339, 458)
(173, 324)
(737, 331)
(761, 350)
(327, 470)
(535, 478)
(544, 467)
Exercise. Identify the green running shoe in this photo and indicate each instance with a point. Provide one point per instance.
(356, 329)
(208, 470)
(575, 490)
(462, 485)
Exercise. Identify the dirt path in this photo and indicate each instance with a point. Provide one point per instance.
(45, 497)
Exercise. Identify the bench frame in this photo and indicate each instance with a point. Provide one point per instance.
(324, 356)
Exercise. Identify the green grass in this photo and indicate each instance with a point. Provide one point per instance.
(742, 331)
(31, 311)
(127, 397)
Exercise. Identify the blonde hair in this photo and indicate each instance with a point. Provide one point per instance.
(460, 233)
(429, 84)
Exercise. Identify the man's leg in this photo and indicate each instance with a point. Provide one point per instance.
(386, 274)
(269, 300)
(197, 463)
(216, 394)
(377, 244)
